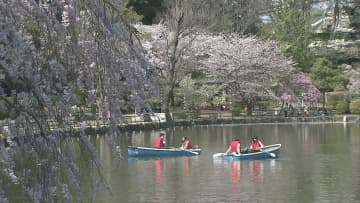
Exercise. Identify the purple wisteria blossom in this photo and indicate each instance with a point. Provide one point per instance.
(311, 94)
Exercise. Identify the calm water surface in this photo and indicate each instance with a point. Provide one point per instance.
(317, 163)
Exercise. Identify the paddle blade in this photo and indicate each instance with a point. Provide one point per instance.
(218, 155)
(195, 153)
(272, 155)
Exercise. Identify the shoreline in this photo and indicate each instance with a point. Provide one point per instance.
(241, 120)
(90, 127)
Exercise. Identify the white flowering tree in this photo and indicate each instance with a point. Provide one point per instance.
(246, 67)
(167, 48)
(171, 48)
(249, 67)
(55, 55)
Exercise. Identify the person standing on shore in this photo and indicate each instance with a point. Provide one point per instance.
(306, 110)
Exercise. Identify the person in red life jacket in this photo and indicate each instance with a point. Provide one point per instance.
(234, 147)
(185, 143)
(159, 141)
(256, 145)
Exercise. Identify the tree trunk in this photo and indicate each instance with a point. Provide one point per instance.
(169, 102)
(249, 107)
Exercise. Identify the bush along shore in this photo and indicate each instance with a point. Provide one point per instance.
(135, 126)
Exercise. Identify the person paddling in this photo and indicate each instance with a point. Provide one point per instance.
(185, 143)
(159, 141)
(234, 147)
(256, 145)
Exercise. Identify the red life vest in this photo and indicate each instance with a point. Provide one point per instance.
(186, 144)
(233, 146)
(255, 146)
(159, 142)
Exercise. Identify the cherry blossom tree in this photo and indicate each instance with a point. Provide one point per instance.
(171, 50)
(299, 88)
(168, 47)
(55, 55)
(248, 66)
(308, 91)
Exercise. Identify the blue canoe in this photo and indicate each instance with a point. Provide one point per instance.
(270, 151)
(144, 151)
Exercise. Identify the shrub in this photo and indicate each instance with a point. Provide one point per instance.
(334, 98)
(264, 105)
(339, 102)
(236, 111)
(180, 115)
(342, 107)
(355, 106)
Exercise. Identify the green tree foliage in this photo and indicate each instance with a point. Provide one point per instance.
(327, 77)
(240, 16)
(131, 15)
(337, 57)
(342, 107)
(290, 25)
(149, 9)
(355, 106)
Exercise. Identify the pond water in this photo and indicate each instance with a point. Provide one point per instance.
(317, 163)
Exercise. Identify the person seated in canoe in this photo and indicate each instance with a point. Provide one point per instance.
(234, 147)
(185, 143)
(256, 145)
(160, 141)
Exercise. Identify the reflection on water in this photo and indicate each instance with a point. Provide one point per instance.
(185, 166)
(254, 170)
(274, 165)
(317, 163)
(159, 167)
(235, 174)
(257, 170)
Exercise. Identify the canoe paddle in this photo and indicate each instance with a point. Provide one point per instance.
(271, 154)
(217, 155)
(195, 153)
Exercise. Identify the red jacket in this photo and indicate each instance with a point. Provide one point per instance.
(159, 142)
(233, 146)
(186, 144)
(255, 146)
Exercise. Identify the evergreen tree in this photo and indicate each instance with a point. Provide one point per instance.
(149, 9)
(290, 25)
(327, 77)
